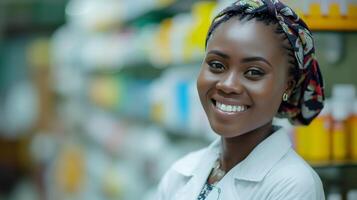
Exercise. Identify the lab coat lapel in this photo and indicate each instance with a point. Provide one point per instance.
(194, 186)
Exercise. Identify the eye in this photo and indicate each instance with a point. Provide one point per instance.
(216, 66)
(254, 73)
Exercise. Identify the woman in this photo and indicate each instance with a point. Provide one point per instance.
(259, 64)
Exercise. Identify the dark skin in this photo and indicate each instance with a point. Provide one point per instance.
(246, 68)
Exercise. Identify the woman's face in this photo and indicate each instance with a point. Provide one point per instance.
(243, 77)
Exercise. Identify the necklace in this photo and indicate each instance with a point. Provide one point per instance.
(217, 173)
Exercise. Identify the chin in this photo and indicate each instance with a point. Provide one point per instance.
(227, 132)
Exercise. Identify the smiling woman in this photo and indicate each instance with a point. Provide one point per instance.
(259, 64)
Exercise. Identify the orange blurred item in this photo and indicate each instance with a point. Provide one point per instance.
(313, 142)
(353, 128)
(339, 140)
(302, 141)
(320, 137)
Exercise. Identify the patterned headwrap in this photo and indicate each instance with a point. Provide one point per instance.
(306, 99)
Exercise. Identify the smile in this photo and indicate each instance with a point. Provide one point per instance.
(230, 108)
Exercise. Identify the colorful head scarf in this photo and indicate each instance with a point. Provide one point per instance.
(306, 99)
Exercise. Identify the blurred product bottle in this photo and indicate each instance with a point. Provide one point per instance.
(319, 136)
(313, 142)
(194, 44)
(339, 139)
(104, 91)
(334, 193)
(70, 169)
(353, 127)
(352, 194)
(169, 99)
(302, 141)
(161, 56)
(343, 96)
(179, 32)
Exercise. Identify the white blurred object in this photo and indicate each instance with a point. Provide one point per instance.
(334, 193)
(103, 15)
(334, 196)
(180, 28)
(352, 194)
(95, 15)
(25, 190)
(221, 5)
(342, 101)
(106, 50)
(105, 130)
(66, 69)
(334, 47)
(71, 112)
(21, 109)
(43, 147)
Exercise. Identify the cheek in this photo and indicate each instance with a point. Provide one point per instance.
(267, 93)
(204, 82)
(200, 83)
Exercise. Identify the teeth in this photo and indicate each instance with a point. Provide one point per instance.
(230, 108)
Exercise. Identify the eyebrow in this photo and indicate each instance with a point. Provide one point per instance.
(251, 59)
(245, 60)
(219, 53)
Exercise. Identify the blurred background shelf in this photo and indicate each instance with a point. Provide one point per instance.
(334, 164)
(332, 17)
(27, 16)
(160, 13)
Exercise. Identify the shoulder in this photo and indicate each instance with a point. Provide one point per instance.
(188, 163)
(185, 165)
(293, 178)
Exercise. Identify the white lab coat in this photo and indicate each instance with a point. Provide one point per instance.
(272, 171)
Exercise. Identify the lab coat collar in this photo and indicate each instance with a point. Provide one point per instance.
(263, 158)
(195, 162)
(253, 168)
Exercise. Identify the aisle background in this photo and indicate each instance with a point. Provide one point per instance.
(98, 98)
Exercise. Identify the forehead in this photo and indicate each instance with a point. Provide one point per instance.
(247, 38)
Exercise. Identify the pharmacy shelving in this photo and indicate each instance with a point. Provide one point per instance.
(321, 17)
(18, 17)
(331, 17)
(127, 70)
(163, 11)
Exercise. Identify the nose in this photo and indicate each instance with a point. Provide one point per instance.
(230, 83)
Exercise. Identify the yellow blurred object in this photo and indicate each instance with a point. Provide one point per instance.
(38, 53)
(163, 3)
(302, 141)
(157, 112)
(334, 20)
(339, 141)
(320, 139)
(70, 169)
(112, 186)
(195, 42)
(162, 55)
(105, 91)
(353, 144)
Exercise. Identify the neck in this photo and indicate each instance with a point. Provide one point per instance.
(236, 149)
